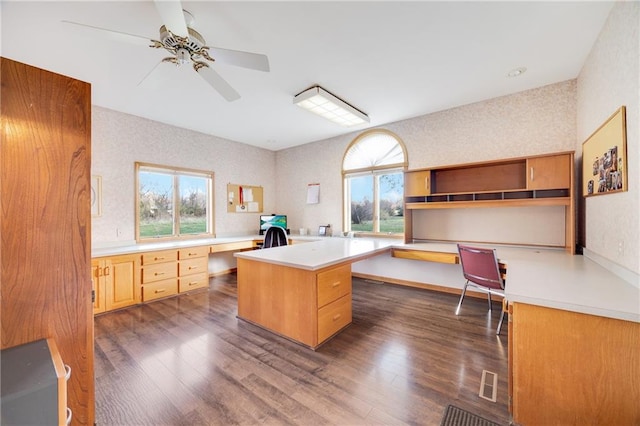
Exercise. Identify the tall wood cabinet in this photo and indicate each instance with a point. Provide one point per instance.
(46, 220)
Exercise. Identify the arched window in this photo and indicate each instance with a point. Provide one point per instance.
(372, 171)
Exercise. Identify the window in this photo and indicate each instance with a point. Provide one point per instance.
(173, 202)
(373, 169)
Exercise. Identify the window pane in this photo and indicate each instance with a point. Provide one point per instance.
(361, 203)
(156, 204)
(391, 206)
(193, 204)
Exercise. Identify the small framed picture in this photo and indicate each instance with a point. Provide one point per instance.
(322, 231)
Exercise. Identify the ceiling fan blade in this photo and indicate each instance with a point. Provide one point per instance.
(218, 83)
(172, 16)
(114, 35)
(254, 61)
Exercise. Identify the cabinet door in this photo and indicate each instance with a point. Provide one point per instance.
(553, 172)
(417, 183)
(122, 281)
(97, 279)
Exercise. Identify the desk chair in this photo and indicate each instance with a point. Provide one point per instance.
(480, 268)
(274, 237)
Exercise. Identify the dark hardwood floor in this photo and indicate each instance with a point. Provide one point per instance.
(187, 360)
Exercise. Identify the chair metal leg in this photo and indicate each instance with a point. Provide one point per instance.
(489, 297)
(464, 289)
(500, 323)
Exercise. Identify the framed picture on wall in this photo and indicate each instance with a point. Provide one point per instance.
(604, 157)
(96, 195)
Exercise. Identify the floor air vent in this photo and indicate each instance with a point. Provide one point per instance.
(489, 386)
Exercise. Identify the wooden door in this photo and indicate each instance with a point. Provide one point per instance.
(45, 168)
(122, 281)
(553, 172)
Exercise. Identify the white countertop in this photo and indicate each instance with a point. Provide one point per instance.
(543, 277)
(320, 252)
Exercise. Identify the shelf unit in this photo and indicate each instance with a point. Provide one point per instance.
(544, 180)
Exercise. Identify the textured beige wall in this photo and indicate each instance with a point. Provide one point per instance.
(537, 121)
(119, 140)
(609, 79)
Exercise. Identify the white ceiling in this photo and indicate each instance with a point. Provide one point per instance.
(392, 60)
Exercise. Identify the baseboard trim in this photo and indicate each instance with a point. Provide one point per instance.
(223, 272)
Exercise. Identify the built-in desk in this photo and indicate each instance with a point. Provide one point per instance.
(302, 292)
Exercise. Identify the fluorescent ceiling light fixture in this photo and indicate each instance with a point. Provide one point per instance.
(329, 106)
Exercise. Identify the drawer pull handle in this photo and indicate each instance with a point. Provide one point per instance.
(336, 317)
(106, 271)
(193, 267)
(193, 283)
(160, 290)
(159, 273)
(158, 258)
(67, 370)
(193, 254)
(336, 284)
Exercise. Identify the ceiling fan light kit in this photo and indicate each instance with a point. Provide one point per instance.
(327, 105)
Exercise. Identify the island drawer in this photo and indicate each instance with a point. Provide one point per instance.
(193, 266)
(193, 252)
(193, 282)
(159, 289)
(159, 271)
(333, 284)
(333, 317)
(159, 257)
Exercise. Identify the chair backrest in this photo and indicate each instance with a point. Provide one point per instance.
(480, 265)
(274, 237)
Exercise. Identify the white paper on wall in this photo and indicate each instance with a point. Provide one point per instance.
(313, 193)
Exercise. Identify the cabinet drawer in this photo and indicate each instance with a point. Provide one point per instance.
(159, 257)
(193, 282)
(159, 271)
(193, 266)
(333, 317)
(193, 252)
(159, 289)
(240, 245)
(333, 284)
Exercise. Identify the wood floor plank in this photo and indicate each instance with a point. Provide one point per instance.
(188, 360)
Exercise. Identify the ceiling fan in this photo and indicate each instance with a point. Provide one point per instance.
(187, 46)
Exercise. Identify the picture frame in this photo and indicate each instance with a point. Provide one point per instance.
(604, 157)
(96, 195)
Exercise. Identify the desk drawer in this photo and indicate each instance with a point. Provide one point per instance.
(333, 284)
(159, 289)
(193, 252)
(333, 317)
(216, 248)
(193, 266)
(193, 282)
(159, 271)
(159, 257)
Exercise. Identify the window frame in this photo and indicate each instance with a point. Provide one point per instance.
(376, 171)
(176, 172)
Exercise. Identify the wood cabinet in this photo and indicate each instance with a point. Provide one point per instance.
(116, 282)
(417, 183)
(583, 369)
(159, 274)
(45, 173)
(306, 306)
(193, 266)
(545, 180)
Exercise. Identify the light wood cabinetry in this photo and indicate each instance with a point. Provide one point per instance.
(306, 306)
(545, 180)
(116, 282)
(45, 173)
(193, 265)
(159, 274)
(583, 369)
